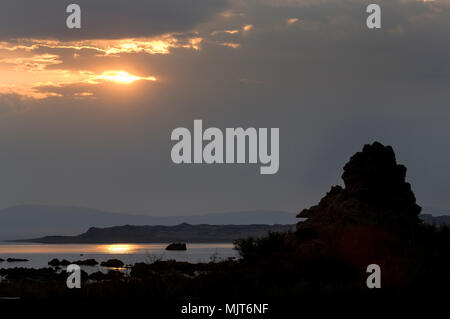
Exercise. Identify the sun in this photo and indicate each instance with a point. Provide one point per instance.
(122, 77)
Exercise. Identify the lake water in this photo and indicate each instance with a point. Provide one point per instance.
(40, 254)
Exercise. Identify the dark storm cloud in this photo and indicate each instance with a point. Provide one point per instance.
(103, 18)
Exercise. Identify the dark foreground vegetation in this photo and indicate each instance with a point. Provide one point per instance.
(374, 219)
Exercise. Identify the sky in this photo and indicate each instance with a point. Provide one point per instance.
(86, 114)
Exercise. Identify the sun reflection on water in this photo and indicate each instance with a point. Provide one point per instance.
(120, 248)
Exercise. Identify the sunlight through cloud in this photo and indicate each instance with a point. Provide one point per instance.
(120, 77)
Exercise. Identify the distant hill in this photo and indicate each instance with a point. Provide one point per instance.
(436, 220)
(29, 221)
(160, 234)
(435, 211)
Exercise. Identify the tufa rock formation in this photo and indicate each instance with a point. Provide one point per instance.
(375, 194)
(373, 219)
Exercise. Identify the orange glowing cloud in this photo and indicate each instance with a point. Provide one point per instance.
(35, 63)
(225, 31)
(42, 68)
(230, 45)
(27, 71)
(43, 86)
(29, 67)
(159, 45)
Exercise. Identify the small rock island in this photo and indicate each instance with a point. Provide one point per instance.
(12, 260)
(113, 263)
(176, 246)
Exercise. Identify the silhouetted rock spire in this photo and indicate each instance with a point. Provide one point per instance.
(375, 193)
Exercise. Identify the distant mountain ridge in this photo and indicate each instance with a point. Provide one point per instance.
(30, 221)
(163, 234)
(435, 216)
(436, 220)
(435, 211)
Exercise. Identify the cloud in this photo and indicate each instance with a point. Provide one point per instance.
(249, 81)
(78, 84)
(11, 103)
(156, 45)
(327, 82)
(35, 63)
(230, 45)
(28, 63)
(104, 19)
(247, 27)
(292, 20)
(324, 3)
(235, 31)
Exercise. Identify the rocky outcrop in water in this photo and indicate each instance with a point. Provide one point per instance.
(86, 262)
(55, 262)
(13, 260)
(114, 263)
(176, 246)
